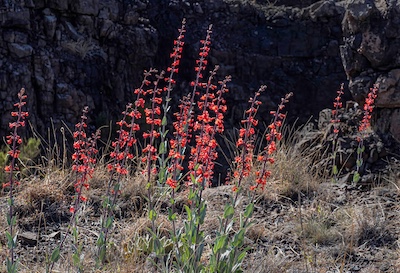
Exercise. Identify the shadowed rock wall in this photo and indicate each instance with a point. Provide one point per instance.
(68, 54)
(290, 49)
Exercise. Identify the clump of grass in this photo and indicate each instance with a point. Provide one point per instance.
(319, 228)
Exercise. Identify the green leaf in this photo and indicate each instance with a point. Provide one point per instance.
(106, 202)
(171, 216)
(191, 194)
(189, 213)
(152, 215)
(11, 267)
(76, 259)
(161, 175)
(13, 220)
(356, 177)
(359, 162)
(55, 255)
(335, 170)
(109, 222)
(220, 243)
(10, 240)
(241, 256)
(249, 210)
(238, 239)
(228, 212)
(164, 135)
(75, 233)
(192, 178)
(161, 149)
(164, 121)
(203, 211)
(100, 240)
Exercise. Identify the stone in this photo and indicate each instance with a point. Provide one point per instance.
(28, 238)
(50, 23)
(73, 32)
(61, 5)
(17, 19)
(88, 7)
(388, 93)
(395, 125)
(106, 28)
(20, 51)
(131, 18)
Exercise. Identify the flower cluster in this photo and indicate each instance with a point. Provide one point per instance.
(153, 120)
(127, 132)
(209, 122)
(182, 132)
(83, 158)
(272, 136)
(245, 142)
(176, 56)
(14, 140)
(337, 104)
(201, 62)
(364, 125)
(368, 108)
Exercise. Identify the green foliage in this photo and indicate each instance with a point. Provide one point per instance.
(30, 149)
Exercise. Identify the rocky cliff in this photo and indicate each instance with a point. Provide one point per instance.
(68, 54)
(371, 54)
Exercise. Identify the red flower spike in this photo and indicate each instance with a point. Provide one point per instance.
(368, 108)
(14, 140)
(83, 158)
(208, 124)
(271, 137)
(246, 140)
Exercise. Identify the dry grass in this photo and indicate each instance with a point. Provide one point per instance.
(299, 225)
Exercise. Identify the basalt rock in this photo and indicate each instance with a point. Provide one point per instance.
(290, 46)
(370, 54)
(68, 54)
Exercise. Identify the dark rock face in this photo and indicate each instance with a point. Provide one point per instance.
(370, 55)
(68, 54)
(290, 49)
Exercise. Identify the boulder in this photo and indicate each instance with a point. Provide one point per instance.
(20, 51)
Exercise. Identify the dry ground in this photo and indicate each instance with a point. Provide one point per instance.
(301, 222)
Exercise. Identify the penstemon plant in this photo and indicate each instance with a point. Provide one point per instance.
(337, 104)
(14, 140)
(118, 167)
(362, 129)
(84, 160)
